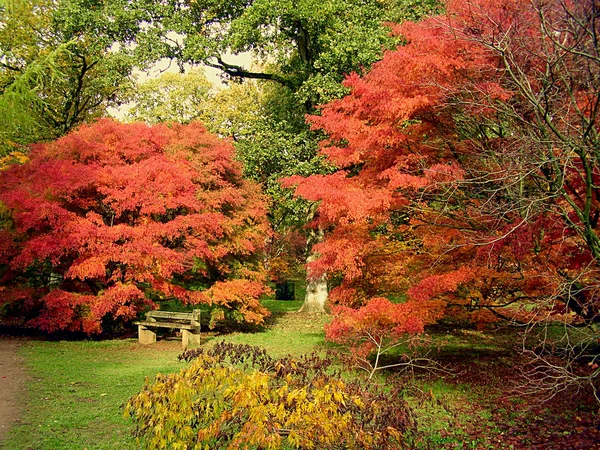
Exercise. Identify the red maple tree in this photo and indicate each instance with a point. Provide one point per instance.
(469, 167)
(111, 218)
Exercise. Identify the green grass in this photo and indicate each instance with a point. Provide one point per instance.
(76, 388)
(292, 333)
(278, 307)
(286, 332)
(440, 410)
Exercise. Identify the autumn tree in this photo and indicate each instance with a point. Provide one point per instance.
(113, 218)
(468, 168)
(374, 330)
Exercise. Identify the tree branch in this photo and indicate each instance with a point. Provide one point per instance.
(239, 72)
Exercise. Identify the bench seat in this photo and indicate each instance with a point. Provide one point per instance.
(188, 323)
(157, 324)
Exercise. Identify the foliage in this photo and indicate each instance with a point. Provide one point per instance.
(237, 396)
(377, 328)
(304, 48)
(307, 46)
(59, 67)
(263, 120)
(280, 144)
(428, 187)
(270, 137)
(171, 97)
(13, 158)
(17, 100)
(468, 168)
(371, 324)
(113, 217)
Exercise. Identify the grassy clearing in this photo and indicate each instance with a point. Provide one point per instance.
(288, 332)
(76, 389)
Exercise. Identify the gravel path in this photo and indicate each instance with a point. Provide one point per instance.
(12, 383)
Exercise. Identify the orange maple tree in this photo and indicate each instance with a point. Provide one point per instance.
(469, 167)
(112, 218)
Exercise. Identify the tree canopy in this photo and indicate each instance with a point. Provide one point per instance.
(112, 218)
(305, 50)
(305, 45)
(467, 167)
(59, 67)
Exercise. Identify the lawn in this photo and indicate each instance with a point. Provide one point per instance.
(76, 389)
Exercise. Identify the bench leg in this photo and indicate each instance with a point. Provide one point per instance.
(145, 335)
(189, 339)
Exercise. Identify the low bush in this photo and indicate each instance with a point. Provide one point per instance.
(237, 396)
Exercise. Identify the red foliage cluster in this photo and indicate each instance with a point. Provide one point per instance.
(378, 323)
(112, 216)
(454, 185)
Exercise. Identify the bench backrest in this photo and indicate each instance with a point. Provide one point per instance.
(169, 315)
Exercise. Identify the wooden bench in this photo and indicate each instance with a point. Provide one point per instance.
(187, 323)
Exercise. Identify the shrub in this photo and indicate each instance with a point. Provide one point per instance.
(372, 331)
(238, 397)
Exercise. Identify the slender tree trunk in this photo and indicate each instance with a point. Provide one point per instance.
(316, 288)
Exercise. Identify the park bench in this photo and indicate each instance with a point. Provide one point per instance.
(187, 323)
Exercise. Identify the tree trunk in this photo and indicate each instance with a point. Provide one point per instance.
(316, 293)
(316, 288)
(316, 296)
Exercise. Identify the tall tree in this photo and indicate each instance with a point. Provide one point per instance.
(112, 218)
(58, 67)
(469, 168)
(306, 48)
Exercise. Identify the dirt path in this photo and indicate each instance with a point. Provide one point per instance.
(12, 382)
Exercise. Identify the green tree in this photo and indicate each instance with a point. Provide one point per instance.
(58, 67)
(171, 97)
(306, 45)
(235, 111)
(277, 146)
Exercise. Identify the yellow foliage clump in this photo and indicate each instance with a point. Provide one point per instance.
(216, 405)
(15, 157)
